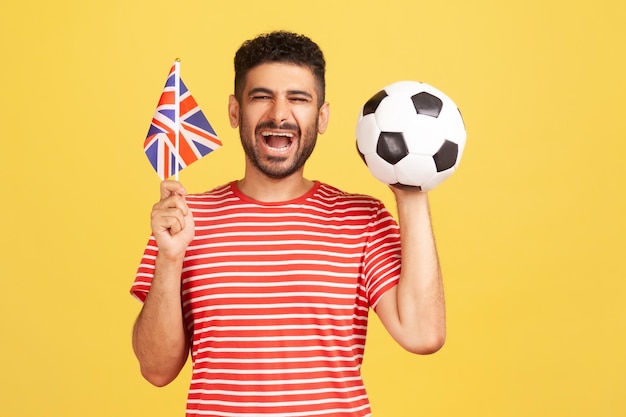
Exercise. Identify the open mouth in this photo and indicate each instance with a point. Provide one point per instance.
(279, 141)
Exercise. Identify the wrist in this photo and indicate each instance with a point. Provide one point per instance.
(167, 260)
(411, 198)
(167, 273)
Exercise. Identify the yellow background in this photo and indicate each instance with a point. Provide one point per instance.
(530, 229)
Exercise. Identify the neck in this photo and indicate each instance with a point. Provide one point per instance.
(270, 190)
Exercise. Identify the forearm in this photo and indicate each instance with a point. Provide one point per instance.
(420, 296)
(159, 337)
(414, 312)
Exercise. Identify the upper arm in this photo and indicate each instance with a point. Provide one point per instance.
(387, 311)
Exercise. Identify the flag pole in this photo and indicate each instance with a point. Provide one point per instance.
(177, 114)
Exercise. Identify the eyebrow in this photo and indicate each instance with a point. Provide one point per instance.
(270, 92)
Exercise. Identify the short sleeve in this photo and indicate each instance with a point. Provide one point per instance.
(383, 256)
(145, 271)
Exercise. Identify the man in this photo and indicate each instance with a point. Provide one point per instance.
(268, 280)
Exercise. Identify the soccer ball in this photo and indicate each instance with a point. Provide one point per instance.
(410, 134)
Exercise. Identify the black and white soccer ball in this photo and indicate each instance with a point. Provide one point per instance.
(411, 134)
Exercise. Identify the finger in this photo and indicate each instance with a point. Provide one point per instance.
(171, 221)
(170, 187)
(164, 212)
(174, 201)
(176, 225)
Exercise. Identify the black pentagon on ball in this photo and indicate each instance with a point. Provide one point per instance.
(372, 104)
(445, 157)
(406, 187)
(427, 104)
(360, 153)
(391, 147)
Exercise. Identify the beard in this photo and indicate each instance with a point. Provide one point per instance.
(273, 166)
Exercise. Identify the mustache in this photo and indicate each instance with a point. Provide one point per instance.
(282, 126)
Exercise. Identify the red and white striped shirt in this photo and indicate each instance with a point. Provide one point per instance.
(276, 298)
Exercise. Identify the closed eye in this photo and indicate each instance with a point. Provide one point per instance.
(299, 96)
(260, 94)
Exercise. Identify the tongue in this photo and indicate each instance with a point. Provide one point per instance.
(277, 141)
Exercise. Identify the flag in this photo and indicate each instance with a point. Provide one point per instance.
(179, 134)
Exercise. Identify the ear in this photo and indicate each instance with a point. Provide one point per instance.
(233, 111)
(322, 118)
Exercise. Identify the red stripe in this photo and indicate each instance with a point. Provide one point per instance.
(187, 104)
(202, 133)
(184, 150)
(162, 126)
(166, 98)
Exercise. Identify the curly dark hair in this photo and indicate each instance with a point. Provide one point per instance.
(280, 46)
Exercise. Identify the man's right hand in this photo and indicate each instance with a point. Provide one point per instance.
(172, 221)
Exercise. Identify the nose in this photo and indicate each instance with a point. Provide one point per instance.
(279, 112)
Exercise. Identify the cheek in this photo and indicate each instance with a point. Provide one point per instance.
(245, 123)
(307, 120)
(251, 117)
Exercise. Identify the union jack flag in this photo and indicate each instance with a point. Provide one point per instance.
(179, 134)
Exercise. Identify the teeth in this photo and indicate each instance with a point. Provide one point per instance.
(287, 135)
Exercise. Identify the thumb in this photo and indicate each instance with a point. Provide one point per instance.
(169, 187)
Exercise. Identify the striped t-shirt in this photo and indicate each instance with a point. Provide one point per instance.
(276, 297)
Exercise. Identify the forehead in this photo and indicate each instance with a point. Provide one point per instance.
(280, 78)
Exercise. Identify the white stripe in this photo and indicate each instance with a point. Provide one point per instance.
(330, 370)
(260, 297)
(268, 231)
(302, 349)
(266, 284)
(302, 381)
(251, 340)
(279, 403)
(260, 263)
(272, 274)
(256, 307)
(284, 242)
(282, 414)
(323, 317)
(276, 394)
(277, 328)
(303, 359)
